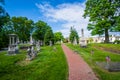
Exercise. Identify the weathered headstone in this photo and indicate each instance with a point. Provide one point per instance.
(38, 46)
(75, 41)
(50, 43)
(112, 67)
(29, 55)
(31, 40)
(83, 42)
(13, 44)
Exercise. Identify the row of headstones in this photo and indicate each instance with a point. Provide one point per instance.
(82, 42)
(31, 52)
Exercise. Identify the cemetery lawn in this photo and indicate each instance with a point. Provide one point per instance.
(99, 56)
(48, 65)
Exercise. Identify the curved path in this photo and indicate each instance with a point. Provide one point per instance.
(78, 68)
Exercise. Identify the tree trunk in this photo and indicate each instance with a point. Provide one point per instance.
(106, 36)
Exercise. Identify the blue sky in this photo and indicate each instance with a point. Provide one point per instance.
(59, 14)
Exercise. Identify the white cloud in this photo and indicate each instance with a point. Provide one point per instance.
(71, 14)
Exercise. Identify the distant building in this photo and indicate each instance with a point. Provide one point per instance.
(113, 36)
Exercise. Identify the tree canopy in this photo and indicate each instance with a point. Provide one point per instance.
(104, 15)
(21, 26)
(4, 18)
(49, 36)
(40, 30)
(58, 36)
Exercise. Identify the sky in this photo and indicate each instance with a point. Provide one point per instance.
(59, 14)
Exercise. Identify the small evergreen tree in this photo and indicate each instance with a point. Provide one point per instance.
(49, 36)
(73, 35)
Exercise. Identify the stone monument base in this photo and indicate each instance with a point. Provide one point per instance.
(111, 66)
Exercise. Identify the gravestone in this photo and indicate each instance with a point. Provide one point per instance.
(50, 43)
(31, 40)
(83, 42)
(75, 41)
(31, 53)
(38, 46)
(13, 44)
(111, 66)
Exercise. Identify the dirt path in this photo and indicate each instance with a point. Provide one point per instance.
(78, 68)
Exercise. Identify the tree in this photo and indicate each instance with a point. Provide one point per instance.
(4, 18)
(40, 30)
(49, 36)
(21, 26)
(58, 36)
(103, 16)
(73, 35)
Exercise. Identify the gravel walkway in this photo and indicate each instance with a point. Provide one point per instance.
(78, 68)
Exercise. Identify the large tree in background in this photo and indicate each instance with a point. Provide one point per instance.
(43, 32)
(58, 36)
(4, 18)
(40, 30)
(49, 36)
(21, 26)
(104, 15)
(73, 35)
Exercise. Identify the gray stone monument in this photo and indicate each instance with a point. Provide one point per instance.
(31, 53)
(31, 40)
(38, 46)
(50, 43)
(83, 42)
(75, 41)
(13, 44)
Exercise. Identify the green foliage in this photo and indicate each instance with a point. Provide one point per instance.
(49, 36)
(58, 36)
(48, 65)
(104, 16)
(117, 42)
(99, 56)
(3, 39)
(73, 35)
(40, 30)
(4, 18)
(21, 26)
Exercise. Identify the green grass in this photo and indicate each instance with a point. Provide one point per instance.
(99, 56)
(48, 65)
(108, 46)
